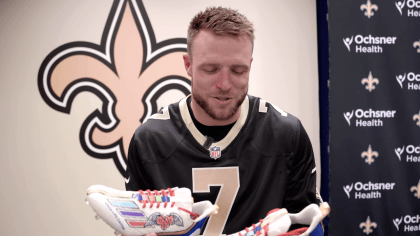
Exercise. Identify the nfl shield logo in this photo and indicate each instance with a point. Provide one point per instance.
(215, 152)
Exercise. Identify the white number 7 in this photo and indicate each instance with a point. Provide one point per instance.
(228, 180)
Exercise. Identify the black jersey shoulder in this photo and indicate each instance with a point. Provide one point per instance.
(158, 138)
(275, 131)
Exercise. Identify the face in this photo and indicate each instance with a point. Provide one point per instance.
(219, 67)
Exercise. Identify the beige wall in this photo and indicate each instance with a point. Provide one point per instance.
(44, 172)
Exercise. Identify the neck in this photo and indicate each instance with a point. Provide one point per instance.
(201, 115)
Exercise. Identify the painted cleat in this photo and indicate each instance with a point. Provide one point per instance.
(276, 222)
(164, 212)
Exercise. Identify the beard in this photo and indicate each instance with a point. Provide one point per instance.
(220, 115)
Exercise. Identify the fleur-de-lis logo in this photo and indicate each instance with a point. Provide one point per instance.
(417, 117)
(132, 75)
(369, 155)
(368, 226)
(417, 44)
(370, 82)
(416, 190)
(369, 7)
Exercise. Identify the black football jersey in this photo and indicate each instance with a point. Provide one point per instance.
(264, 162)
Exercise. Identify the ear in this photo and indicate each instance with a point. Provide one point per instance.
(187, 64)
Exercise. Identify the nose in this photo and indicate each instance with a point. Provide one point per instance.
(223, 80)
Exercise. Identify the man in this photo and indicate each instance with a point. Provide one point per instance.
(249, 155)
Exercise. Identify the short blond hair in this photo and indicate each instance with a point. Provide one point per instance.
(220, 21)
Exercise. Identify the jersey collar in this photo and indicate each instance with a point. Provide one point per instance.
(201, 139)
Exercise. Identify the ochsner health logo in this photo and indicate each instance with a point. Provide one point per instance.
(400, 80)
(348, 42)
(347, 189)
(368, 44)
(413, 153)
(397, 223)
(368, 190)
(348, 116)
(400, 5)
(413, 80)
(399, 151)
(413, 7)
(411, 223)
(368, 118)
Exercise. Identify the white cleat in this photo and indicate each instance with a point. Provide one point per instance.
(278, 221)
(164, 212)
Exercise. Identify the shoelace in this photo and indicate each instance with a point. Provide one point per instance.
(192, 214)
(151, 195)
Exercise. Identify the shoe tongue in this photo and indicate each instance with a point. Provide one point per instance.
(183, 193)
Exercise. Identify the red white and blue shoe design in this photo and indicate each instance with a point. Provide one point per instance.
(164, 212)
(278, 221)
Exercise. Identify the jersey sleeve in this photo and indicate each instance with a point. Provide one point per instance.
(301, 186)
(136, 176)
